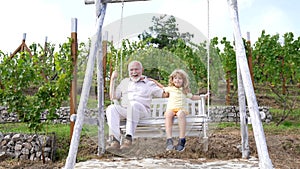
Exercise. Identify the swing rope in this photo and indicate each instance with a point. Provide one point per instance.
(208, 58)
(120, 37)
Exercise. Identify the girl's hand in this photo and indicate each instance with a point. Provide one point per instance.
(156, 82)
(206, 95)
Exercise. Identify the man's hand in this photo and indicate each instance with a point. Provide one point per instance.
(114, 75)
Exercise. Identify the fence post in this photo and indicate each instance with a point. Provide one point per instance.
(104, 53)
(250, 58)
(74, 48)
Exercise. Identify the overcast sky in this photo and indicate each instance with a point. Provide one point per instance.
(52, 18)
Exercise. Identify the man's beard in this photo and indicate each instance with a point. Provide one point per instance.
(135, 79)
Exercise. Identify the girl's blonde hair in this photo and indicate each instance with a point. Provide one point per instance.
(184, 76)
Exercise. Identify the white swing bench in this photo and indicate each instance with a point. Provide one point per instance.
(154, 125)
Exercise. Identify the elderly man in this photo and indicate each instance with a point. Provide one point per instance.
(135, 94)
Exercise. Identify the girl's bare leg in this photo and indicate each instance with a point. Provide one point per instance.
(181, 123)
(169, 115)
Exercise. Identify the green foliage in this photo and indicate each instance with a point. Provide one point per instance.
(271, 128)
(35, 82)
(227, 124)
(193, 59)
(285, 127)
(277, 59)
(267, 56)
(276, 64)
(61, 130)
(227, 57)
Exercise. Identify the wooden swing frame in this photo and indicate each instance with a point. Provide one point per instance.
(244, 80)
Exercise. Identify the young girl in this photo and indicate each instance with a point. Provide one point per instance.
(178, 90)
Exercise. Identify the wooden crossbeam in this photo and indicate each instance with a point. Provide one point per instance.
(118, 1)
(110, 1)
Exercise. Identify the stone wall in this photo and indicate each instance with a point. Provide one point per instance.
(217, 114)
(231, 114)
(63, 115)
(27, 146)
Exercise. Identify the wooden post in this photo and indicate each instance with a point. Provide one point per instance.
(46, 46)
(22, 47)
(243, 114)
(100, 82)
(283, 77)
(259, 136)
(88, 77)
(43, 57)
(250, 58)
(73, 92)
(104, 53)
(111, 59)
(110, 1)
(228, 87)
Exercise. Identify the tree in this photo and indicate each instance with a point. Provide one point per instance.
(164, 32)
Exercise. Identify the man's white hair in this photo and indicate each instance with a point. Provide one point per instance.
(135, 61)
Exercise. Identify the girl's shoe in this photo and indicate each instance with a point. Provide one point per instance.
(181, 144)
(169, 144)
